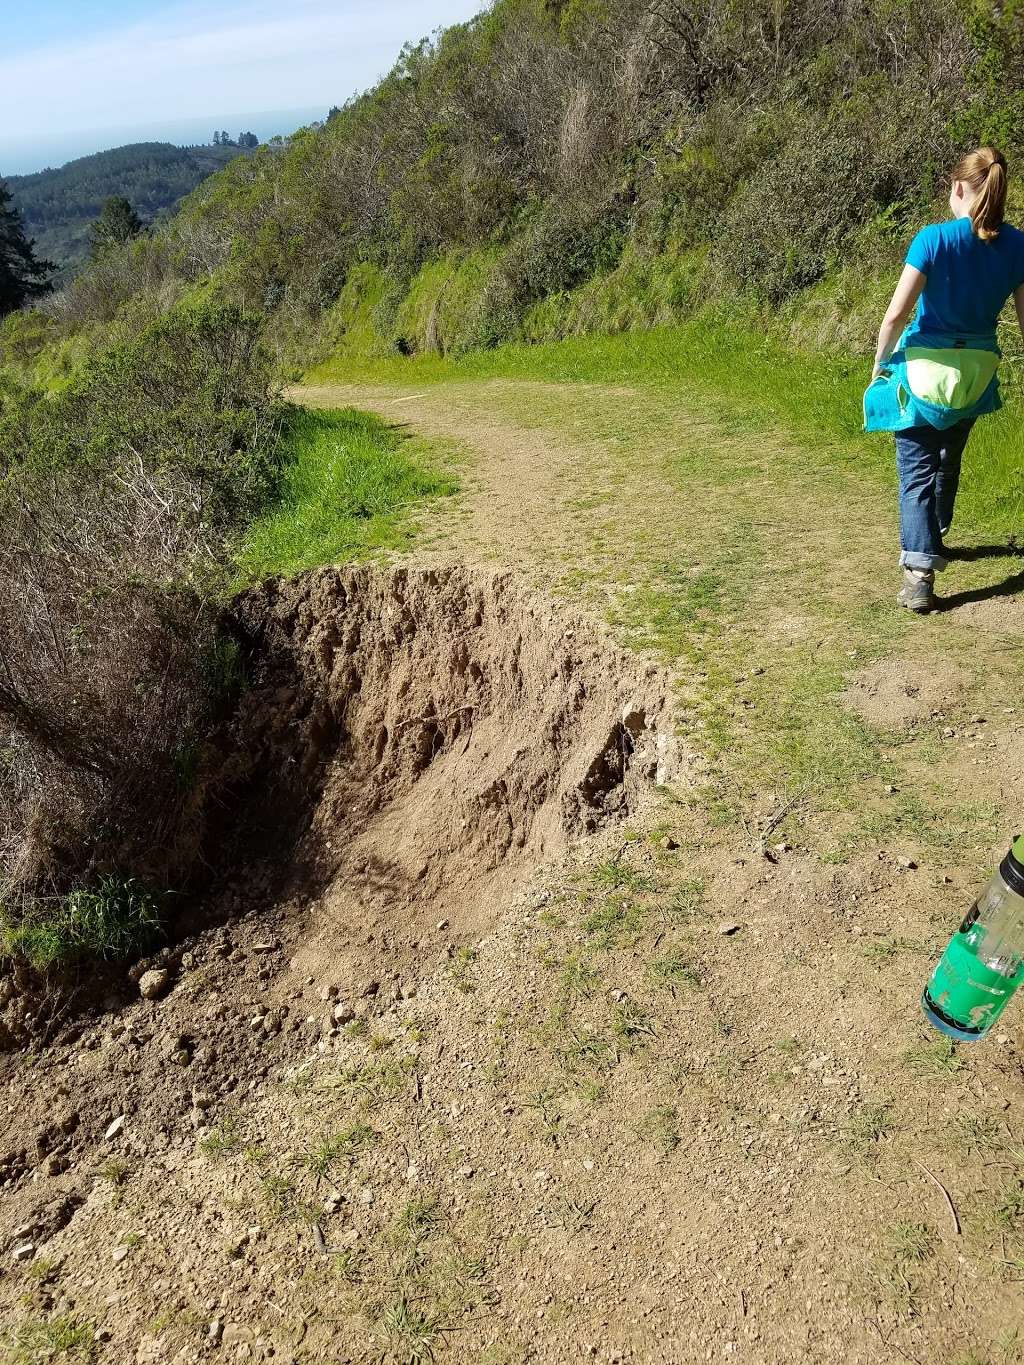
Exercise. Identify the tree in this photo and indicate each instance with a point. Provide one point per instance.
(216, 139)
(118, 223)
(22, 275)
(248, 140)
(225, 139)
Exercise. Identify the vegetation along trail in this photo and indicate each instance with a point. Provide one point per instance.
(467, 879)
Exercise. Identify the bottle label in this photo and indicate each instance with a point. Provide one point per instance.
(966, 990)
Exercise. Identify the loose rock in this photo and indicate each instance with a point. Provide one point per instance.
(152, 984)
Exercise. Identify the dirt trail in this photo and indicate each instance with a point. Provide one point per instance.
(660, 1095)
(518, 484)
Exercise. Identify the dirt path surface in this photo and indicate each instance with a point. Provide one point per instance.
(598, 1038)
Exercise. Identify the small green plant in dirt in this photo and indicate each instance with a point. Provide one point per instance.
(895, 1275)
(462, 969)
(886, 949)
(117, 919)
(910, 1243)
(34, 1342)
(975, 1132)
(1009, 1207)
(578, 977)
(687, 899)
(789, 1047)
(867, 1126)
(373, 1083)
(660, 1127)
(935, 1060)
(617, 922)
(347, 1146)
(631, 1024)
(673, 970)
(587, 1050)
(223, 1139)
(613, 875)
(546, 1105)
(410, 1330)
(282, 1200)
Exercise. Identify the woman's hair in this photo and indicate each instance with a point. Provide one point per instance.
(984, 170)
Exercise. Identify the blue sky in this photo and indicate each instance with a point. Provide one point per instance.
(80, 75)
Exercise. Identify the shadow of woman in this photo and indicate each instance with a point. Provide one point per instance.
(970, 553)
(1009, 587)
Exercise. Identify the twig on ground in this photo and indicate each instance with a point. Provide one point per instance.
(945, 1193)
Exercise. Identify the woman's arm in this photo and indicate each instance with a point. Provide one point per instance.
(1018, 303)
(904, 301)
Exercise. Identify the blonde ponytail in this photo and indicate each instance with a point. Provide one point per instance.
(984, 171)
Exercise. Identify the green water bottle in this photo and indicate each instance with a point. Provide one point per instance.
(984, 963)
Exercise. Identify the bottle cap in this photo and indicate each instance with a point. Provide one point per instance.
(1011, 869)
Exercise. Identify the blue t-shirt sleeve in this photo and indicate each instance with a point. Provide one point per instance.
(921, 252)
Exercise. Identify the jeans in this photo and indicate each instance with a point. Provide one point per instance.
(928, 465)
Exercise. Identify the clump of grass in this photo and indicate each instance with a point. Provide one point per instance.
(348, 484)
(672, 970)
(975, 1132)
(867, 1127)
(374, 1083)
(911, 1243)
(618, 876)
(895, 1276)
(282, 1200)
(578, 977)
(687, 899)
(934, 1059)
(409, 1329)
(631, 1024)
(618, 921)
(346, 1146)
(117, 919)
(222, 1140)
(61, 1338)
(462, 969)
(660, 1126)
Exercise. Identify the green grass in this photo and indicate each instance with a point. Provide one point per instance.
(349, 487)
(62, 1338)
(118, 919)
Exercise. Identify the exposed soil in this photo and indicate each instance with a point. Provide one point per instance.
(899, 693)
(506, 1048)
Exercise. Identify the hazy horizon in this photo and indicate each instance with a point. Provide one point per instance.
(46, 153)
(76, 78)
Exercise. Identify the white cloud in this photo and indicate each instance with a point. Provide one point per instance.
(196, 58)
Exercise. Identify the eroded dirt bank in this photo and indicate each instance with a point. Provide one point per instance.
(410, 747)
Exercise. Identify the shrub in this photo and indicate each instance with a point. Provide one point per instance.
(121, 496)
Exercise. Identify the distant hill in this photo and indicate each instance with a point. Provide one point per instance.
(59, 204)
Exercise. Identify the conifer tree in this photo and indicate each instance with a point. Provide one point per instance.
(23, 276)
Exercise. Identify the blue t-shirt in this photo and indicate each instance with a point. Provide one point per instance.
(969, 280)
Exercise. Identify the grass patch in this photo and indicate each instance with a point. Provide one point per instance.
(33, 1342)
(349, 484)
(118, 919)
(934, 1059)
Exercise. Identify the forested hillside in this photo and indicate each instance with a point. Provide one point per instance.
(58, 204)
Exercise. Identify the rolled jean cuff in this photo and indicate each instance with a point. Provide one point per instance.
(917, 559)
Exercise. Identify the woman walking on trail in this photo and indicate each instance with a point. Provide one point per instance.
(931, 383)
